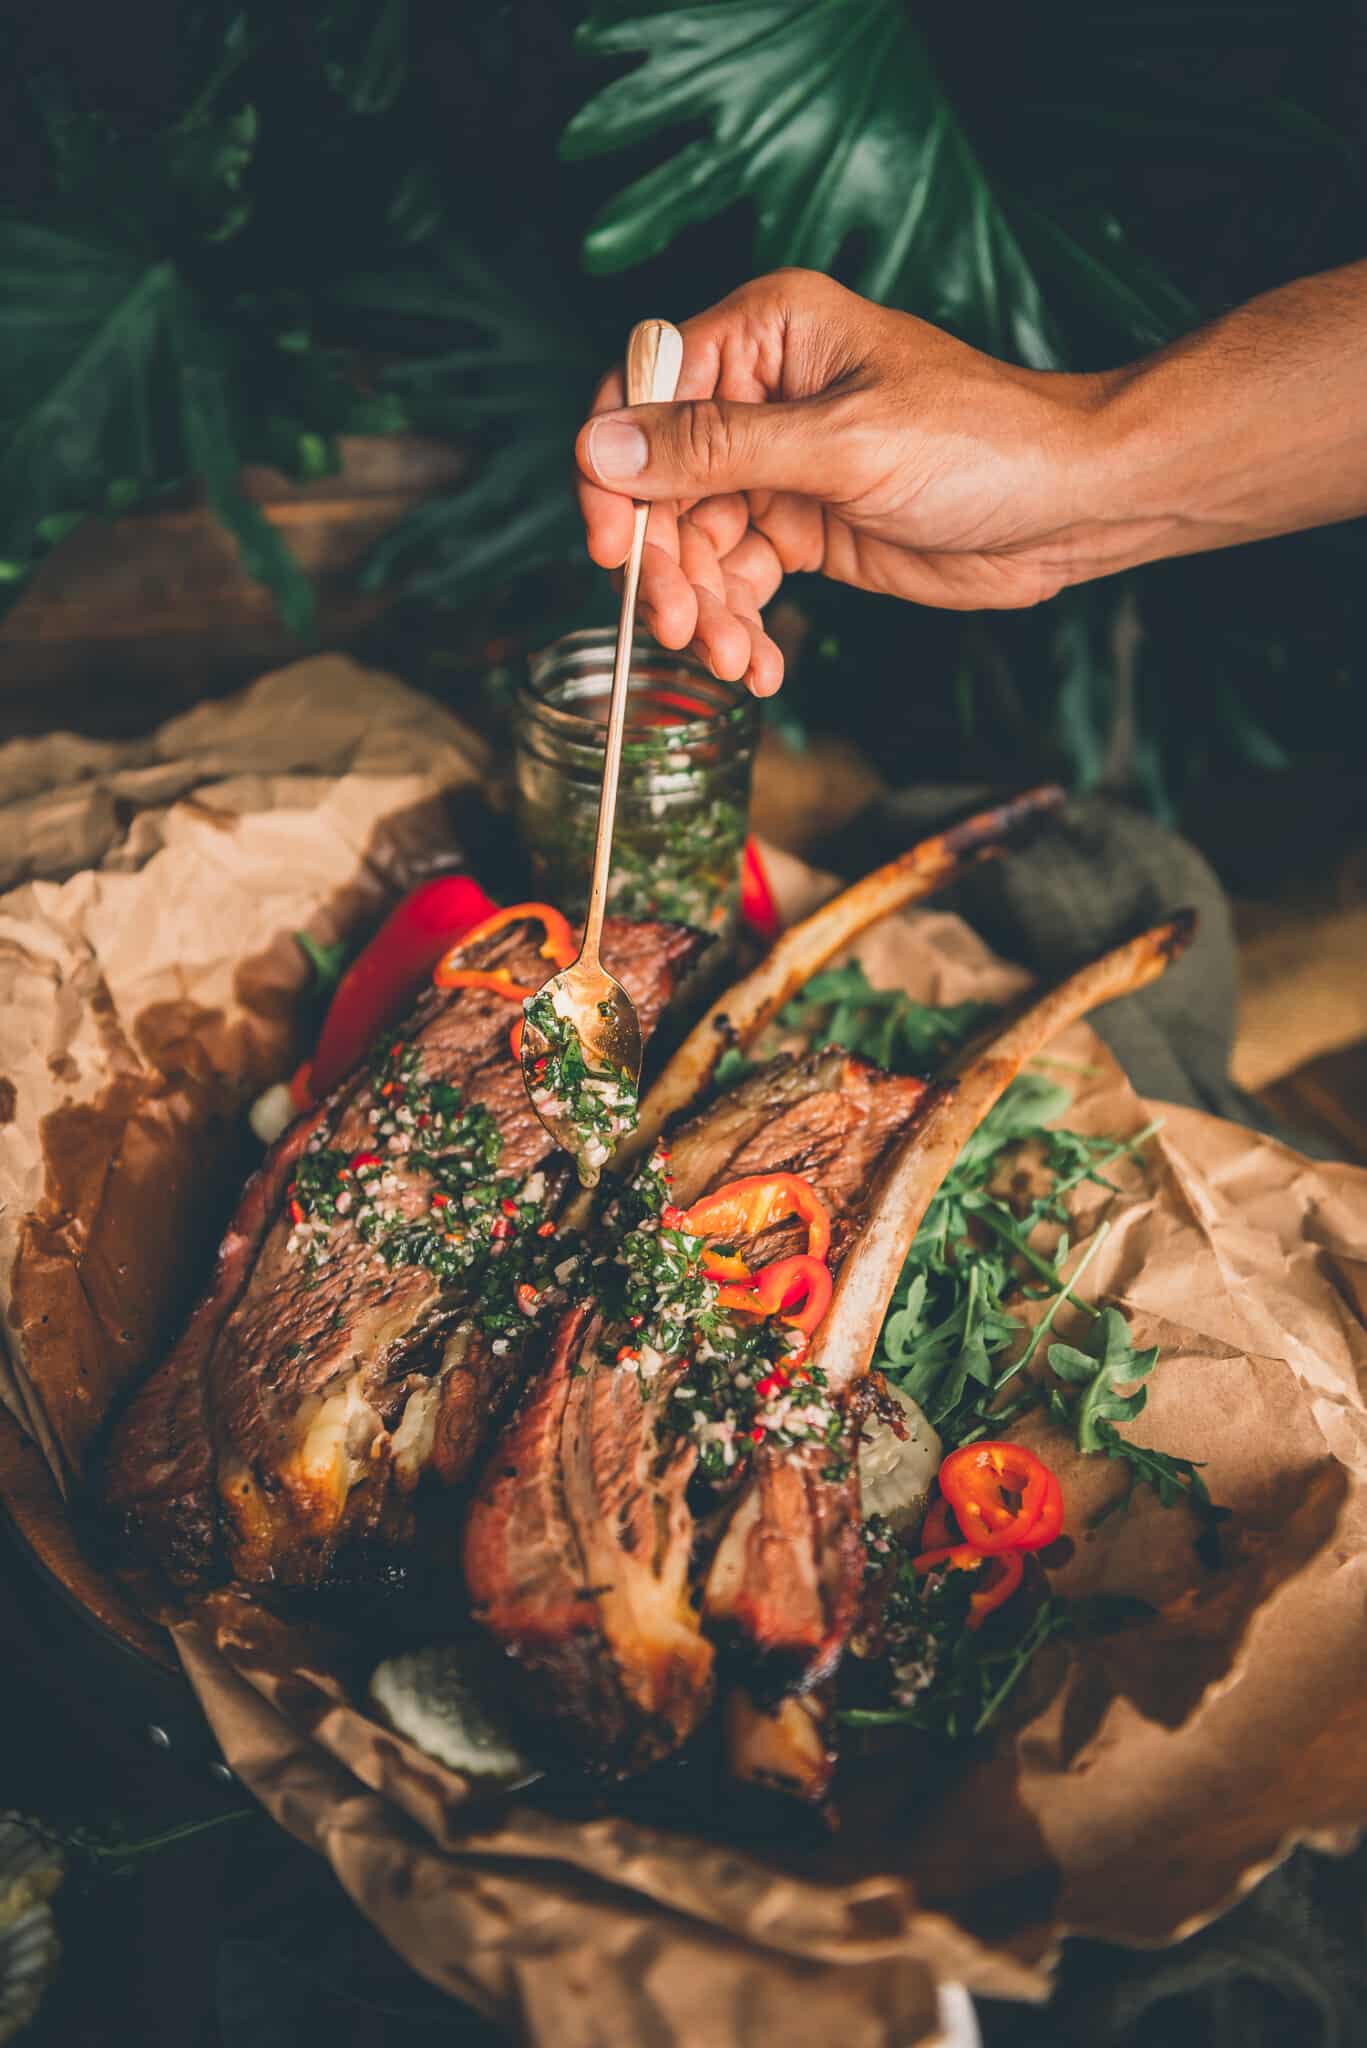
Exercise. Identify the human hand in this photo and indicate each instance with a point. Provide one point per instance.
(814, 430)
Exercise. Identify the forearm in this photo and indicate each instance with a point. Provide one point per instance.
(1255, 426)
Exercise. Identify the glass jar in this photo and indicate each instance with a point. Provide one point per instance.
(683, 800)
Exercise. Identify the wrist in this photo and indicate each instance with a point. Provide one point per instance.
(1128, 485)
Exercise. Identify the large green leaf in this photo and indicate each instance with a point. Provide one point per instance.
(827, 118)
(112, 388)
(509, 372)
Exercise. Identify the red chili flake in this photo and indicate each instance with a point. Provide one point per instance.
(539, 1066)
(527, 1297)
(627, 1353)
(672, 1218)
(636, 1322)
(293, 1188)
(396, 1049)
(545, 1230)
(360, 1160)
(297, 1211)
(454, 1236)
(501, 1228)
(508, 1206)
(424, 1120)
(767, 1386)
(440, 1200)
(757, 1433)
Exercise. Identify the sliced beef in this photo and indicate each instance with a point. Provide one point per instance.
(827, 1117)
(582, 1546)
(299, 1411)
(783, 1590)
(577, 1555)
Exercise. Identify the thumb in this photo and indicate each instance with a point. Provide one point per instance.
(699, 448)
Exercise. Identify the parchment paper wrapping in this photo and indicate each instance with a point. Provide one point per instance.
(150, 985)
(1155, 1774)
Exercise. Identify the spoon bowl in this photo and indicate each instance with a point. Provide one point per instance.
(589, 1110)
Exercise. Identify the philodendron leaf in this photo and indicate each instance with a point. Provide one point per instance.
(828, 117)
(113, 388)
(508, 372)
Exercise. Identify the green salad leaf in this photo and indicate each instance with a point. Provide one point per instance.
(955, 1337)
(1109, 1362)
(842, 1007)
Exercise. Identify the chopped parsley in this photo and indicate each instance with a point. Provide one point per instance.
(425, 1190)
(679, 839)
(736, 1382)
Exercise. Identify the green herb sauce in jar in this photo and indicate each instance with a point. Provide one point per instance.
(684, 796)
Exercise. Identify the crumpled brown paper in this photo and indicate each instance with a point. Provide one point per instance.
(150, 982)
(1154, 1774)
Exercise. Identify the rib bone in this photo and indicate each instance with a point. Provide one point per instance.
(791, 1643)
(738, 1016)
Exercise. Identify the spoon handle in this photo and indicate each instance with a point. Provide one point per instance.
(654, 357)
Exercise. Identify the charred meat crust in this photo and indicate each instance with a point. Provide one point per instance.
(158, 1472)
(201, 1477)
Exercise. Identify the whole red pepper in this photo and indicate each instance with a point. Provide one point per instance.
(757, 906)
(386, 975)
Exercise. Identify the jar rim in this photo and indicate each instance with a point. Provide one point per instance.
(569, 659)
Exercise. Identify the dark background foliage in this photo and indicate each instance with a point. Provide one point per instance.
(234, 232)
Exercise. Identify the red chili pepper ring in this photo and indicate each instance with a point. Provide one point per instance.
(998, 1492)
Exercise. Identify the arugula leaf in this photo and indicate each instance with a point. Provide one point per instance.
(732, 1067)
(1110, 1361)
(842, 1007)
(829, 118)
(1092, 1408)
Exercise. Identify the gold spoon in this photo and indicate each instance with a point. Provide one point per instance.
(584, 995)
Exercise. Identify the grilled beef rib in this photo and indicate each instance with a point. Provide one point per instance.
(294, 1420)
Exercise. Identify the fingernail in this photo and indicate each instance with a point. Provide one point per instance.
(616, 448)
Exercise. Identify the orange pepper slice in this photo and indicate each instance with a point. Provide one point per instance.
(558, 946)
(754, 1203)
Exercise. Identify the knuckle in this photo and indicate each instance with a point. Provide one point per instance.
(708, 440)
(793, 282)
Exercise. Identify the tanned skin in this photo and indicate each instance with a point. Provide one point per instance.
(816, 431)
